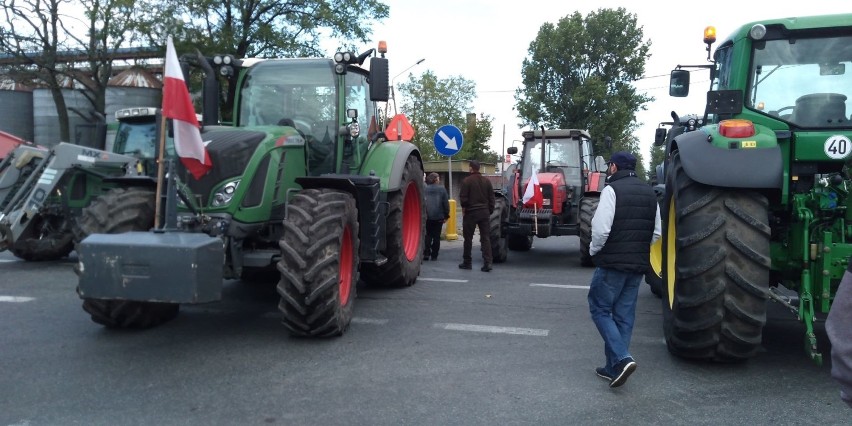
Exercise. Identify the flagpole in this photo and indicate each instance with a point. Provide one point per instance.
(535, 217)
(160, 172)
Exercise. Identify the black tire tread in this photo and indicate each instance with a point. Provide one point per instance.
(310, 263)
(399, 271)
(117, 211)
(499, 243)
(722, 270)
(588, 206)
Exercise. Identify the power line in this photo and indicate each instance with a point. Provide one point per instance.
(647, 77)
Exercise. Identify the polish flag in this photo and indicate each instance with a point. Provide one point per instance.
(532, 195)
(178, 106)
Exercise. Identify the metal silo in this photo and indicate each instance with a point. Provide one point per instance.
(81, 117)
(16, 108)
(133, 87)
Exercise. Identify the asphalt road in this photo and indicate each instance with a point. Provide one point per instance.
(513, 346)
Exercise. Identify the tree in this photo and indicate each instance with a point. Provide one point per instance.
(476, 136)
(430, 103)
(265, 28)
(54, 48)
(658, 156)
(578, 74)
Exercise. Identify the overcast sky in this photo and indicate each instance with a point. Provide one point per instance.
(486, 41)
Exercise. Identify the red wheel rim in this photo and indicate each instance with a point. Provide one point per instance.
(345, 283)
(411, 222)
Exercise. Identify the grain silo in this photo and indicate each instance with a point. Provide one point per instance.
(81, 118)
(16, 108)
(133, 87)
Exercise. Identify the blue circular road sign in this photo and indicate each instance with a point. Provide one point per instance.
(448, 140)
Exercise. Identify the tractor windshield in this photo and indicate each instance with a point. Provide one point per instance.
(296, 93)
(806, 82)
(561, 155)
(139, 138)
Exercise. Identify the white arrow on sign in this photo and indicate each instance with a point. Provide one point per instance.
(451, 142)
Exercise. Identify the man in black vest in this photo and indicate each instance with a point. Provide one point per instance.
(626, 223)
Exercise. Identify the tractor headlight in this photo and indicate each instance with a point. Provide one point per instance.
(757, 32)
(225, 193)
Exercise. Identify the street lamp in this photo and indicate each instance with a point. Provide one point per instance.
(393, 91)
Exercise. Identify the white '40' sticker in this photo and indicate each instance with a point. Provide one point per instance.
(837, 147)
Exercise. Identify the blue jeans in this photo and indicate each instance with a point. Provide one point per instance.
(612, 303)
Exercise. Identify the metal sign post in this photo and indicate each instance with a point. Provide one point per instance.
(448, 141)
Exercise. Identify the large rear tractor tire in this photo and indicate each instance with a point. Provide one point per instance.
(405, 232)
(499, 240)
(50, 237)
(319, 263)
(588, 206)
(716, 263)
(117, 211)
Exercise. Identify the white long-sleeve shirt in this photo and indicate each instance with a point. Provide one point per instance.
(602, 221)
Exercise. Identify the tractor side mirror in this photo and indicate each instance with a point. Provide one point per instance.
(679, 83)
(600, 164)
(379, 81)
(660, 136)
(512, 150)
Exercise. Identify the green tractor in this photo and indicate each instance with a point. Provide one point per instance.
(44, 191)
(304, 186)
(757, 204)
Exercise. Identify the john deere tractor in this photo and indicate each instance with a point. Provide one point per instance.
(570, 179)
(303, 185)
(757, 201)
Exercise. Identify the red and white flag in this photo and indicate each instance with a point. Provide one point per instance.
(532, 195)
(178, 106)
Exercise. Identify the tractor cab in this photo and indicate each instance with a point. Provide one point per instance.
(560, 158)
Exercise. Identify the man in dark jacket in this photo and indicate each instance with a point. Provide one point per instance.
(437, 212)
(625, 224)
(477, 202)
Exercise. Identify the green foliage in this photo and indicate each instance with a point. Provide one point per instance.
(265, 28)
(578, 75)
(430, 102)
(658, 156)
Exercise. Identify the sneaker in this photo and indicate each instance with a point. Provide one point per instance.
(425, 258)
(601, 372)
(464, 266)
(624, 369)
(486, 268)
(434, 258)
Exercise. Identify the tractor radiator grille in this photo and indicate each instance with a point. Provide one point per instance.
(230, 152)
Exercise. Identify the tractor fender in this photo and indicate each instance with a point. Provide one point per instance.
(387, 162)
(706, 163)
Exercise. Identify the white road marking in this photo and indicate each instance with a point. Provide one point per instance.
(578, 287)
(444, 280)
(7, 260)
(374, 321)
(16, 299)
(493, 329)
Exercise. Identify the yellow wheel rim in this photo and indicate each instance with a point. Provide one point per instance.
(671, 235)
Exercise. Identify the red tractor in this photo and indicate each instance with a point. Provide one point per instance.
(570, 178)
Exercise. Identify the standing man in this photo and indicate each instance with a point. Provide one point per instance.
(626, 223)
(477, 202)
(437, 212)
